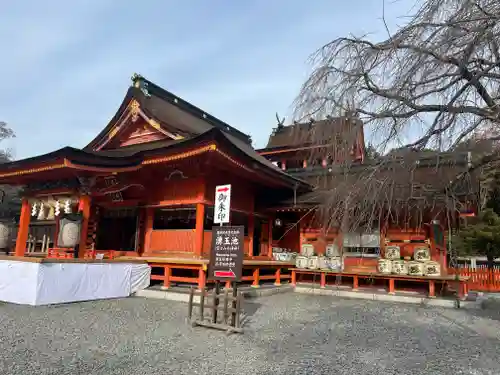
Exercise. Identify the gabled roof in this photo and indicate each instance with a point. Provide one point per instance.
(167, 109)
(319, 132)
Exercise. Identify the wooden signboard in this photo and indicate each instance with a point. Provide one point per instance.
(226, 255)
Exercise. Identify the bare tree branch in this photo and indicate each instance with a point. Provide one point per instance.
(433, 86)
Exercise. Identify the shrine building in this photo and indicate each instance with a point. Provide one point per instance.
(145, 188)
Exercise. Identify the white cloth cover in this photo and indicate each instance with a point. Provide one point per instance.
(53, 283)
(140, 277)
(18, 282)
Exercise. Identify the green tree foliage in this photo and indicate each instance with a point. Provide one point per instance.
(9, 195)
(482, 237)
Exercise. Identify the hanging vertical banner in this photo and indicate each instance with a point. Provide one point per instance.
(222, 206)
(226, 255)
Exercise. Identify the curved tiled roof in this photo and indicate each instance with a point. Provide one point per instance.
(170, 109)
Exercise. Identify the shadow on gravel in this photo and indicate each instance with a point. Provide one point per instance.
(490, 308)
(249, 309)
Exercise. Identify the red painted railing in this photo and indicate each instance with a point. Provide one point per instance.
(481, 279)
(69, 253)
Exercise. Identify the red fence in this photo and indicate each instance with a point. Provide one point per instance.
(481, 279)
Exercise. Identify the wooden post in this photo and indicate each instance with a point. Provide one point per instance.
(294, 278)
(355, 282)
(235, 304)
(216, 301)
(323, 281)
(277, 276)
(270, 244)
(251, 228)
(226, 294)
(256, 277)
(200, 220)
(391, 286)
(236, 314)
(24, 224)
(85, 210)
(190, 304)
(167, 272)
(432, 289)
(201, 279)
(202, 305)
(148, 229)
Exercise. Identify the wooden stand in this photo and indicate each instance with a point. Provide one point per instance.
(220, 302)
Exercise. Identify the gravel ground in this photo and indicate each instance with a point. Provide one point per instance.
(285, 334)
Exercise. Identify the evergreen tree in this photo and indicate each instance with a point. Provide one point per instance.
(481, 237)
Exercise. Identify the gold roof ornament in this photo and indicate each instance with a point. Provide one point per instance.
(135, 109)
(139, 82)
(136, 80)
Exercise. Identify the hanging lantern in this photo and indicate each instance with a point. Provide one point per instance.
(69, 231)
(278, 222)
(34, 209)
(57, 209)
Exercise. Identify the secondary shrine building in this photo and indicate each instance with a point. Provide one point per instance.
(145, 187)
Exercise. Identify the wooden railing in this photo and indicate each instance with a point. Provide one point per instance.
(64, 253)
(481, 279)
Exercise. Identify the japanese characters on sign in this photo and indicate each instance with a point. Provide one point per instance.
(226, 256)
(222, 204)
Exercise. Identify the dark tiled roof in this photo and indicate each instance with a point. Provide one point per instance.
(170, 110)
(429, 178)
(313, 133)
(134, 155)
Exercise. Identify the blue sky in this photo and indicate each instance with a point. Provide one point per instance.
(66, 65)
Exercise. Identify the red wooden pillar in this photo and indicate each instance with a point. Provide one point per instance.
(391, 286)
(323, 281)
(432, 289)
(270, 244)
(84, 206)
(202, 279)
(22, 234)
(251, 228)
(200, 220)
(148, 229)
(256, 277)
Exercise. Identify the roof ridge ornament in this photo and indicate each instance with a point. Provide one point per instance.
(139, 82)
